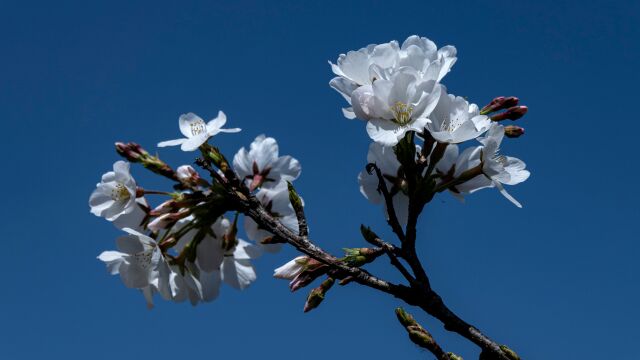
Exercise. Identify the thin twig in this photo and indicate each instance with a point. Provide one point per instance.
(391, 213)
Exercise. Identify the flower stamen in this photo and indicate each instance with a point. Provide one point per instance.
(120, 192)
(197, 128)
(402, 113)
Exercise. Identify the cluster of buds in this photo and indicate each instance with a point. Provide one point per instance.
(512, 111)
(136, 154)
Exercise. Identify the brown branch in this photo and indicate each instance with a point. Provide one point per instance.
(391, 213)
(420, 294)
(391, 250)
(423, 297)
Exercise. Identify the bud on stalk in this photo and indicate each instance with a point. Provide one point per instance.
(316, 296)
(512, 113)
(135, 153)
(165, 220)
(360, 256)
(499, 103)
(312, 270)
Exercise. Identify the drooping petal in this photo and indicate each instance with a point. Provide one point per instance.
(194, 142)
(113, 260)
(238, 274)
(506, 194)
(171, 142)
(210, 283)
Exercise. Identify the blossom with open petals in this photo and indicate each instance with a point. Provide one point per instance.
(140, 264)
(454, 120)
(417, 55)
(115, 195)
(262, 167)
(496, 169)
(197, 132)
(394, 106)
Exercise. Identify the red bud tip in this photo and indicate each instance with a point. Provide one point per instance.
(499, 103)
(512, 113)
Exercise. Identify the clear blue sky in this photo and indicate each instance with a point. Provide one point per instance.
(559, 282)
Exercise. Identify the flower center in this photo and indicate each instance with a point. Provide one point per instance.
(143, 259)
(120, 192)
(452, 124)
(500, 159)
(197, 127)
(402, 113)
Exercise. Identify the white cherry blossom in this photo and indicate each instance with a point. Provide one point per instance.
(454, 120)
(496, 169)
(262, 167)
(423, 56)
(417, 55)
(140, 264)
(115, 195)
(354, 69)
(393, 107)
(197, 132)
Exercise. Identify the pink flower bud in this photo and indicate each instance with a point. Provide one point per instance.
(188, 175)
(131, 151)
(499, 103)
(512, 113)
(166, 207)
(165, 220)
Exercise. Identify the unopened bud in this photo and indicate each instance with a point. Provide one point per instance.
(368, 235)
(405, 318)
(417, 334)
(164, 208)
(499, 103)
(359, 256)
(512, 113)
(165, 220)
(453, 356)
(316, 296)
(131, 151)
(292, 268)
(214, 155)
(312, 271)
(513, 131)
(188, 175)
(294, 198)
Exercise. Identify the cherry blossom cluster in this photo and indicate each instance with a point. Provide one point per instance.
(185, 246)
(397, 90)
(425, 141)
